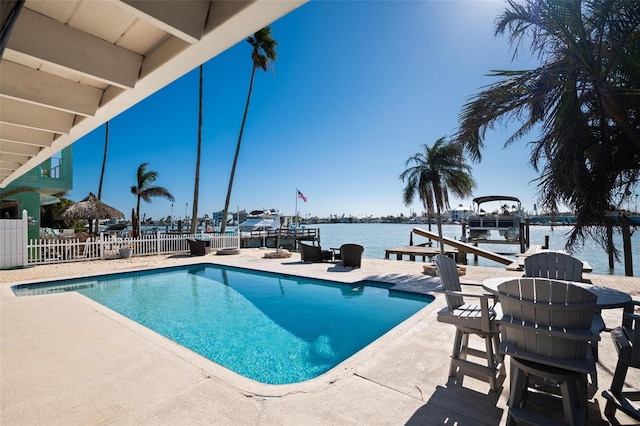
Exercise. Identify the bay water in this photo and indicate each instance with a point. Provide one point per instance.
(377, 237)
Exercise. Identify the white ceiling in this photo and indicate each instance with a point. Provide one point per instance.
(71, 65)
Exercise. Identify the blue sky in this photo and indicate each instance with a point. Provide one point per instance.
(357, 88)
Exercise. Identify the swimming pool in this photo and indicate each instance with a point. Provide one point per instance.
(272, 328)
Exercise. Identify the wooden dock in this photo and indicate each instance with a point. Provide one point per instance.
(417, 251)
(287, 238)
(460, 249)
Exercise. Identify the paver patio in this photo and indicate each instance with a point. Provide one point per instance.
(65, 359)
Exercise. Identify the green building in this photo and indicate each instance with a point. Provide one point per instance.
(53, 176)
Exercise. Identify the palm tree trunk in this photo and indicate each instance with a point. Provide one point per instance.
(610, 244)
(235, 157)
(625, 225)
(440, 228)
(104, 164)
(196, 185)
(104, 159)
(136, 226)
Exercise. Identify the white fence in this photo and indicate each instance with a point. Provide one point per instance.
(43, 251)
(13, 235)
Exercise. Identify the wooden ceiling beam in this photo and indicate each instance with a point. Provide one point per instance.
(14, 158)
(186, 22)
(50, 41)
(25, 136)
(40, 88)
(18, 149)
(36, 117)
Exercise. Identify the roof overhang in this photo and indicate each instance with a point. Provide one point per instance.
(68, 66)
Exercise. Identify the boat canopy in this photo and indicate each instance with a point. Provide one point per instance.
(486, 199)
(266, 212)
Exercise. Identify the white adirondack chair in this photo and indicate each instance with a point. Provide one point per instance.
(626, 340)
(471, 319)
(554, 265)
(546, 329)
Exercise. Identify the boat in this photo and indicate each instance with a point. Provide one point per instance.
(112, 227)
(263, 220)
(506, 219)
(270, 228)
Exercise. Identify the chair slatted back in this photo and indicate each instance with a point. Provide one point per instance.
(634, 333)
(630, 351)
(351, 254)
(546, 317)
(554, 265)
(310, 253)
(448, 272)
(198, 247)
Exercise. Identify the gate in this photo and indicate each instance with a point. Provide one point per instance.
(13, 242)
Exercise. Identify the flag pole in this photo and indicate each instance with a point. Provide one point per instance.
(297, 219)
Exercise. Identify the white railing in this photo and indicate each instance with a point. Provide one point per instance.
(43, 251)
(220, 241)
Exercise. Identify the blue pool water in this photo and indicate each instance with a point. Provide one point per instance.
(272, 328)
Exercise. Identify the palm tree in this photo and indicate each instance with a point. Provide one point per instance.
(584, 98)
(262, 55)
(196, 185)
(104, 159)
(143, 190)
(104, 164)
(50, 214)
(436, 171)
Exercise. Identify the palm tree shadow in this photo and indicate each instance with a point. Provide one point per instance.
(456, 404)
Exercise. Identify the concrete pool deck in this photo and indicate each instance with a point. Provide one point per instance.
(65, 359)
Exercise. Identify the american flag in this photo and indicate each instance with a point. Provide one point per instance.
(300, 195)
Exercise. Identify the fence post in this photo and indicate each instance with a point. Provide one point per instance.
(25, 238)
(158, 243)
(101, 245)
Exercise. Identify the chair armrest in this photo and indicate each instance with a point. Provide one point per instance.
(471, 283)
(622, 343)
(629, 315)
(487, 314)
(464, 294)
(629, 309)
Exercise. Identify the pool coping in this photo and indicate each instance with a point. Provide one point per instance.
(248, 386)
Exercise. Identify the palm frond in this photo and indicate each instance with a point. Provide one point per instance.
(584, 98)
(158, 191)
(435, 171)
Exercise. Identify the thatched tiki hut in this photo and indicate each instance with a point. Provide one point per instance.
(91, 208)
